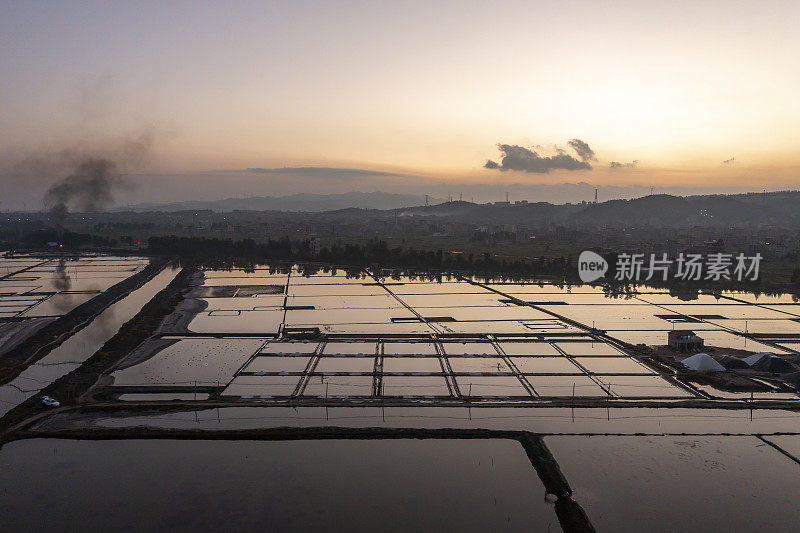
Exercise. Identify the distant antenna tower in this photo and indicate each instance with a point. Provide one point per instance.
(507, 197)
(595, 196)
(460, 196)
(426, 199)
(651, 191)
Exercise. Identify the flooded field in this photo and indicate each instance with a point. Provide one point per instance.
(396, 485)
(680, 483)
(80, 346)
(36, 291)
(268, 333)
(185, 360)
(422, 404)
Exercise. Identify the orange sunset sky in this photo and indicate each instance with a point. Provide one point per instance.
(701, 95)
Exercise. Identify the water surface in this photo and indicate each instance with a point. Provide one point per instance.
(376, 485)
(80, 346)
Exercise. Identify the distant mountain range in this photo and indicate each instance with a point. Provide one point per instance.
(736, 210)
(774, 208)
(310, 203)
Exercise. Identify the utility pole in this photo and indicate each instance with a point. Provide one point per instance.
(595, 196)
(426, 200)
(507, 197)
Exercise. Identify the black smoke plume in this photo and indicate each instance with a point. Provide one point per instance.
(62, 280)
(88, 188)
(617, 164)
(91, 181)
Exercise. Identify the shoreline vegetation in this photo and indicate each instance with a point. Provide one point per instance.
(432, 265)
(392, 262)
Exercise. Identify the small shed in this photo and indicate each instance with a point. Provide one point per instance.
(684, 340)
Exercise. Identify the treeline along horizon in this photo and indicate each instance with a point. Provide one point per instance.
(377, 256)
(374, 253)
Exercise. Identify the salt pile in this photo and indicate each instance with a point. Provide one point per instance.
(702, 362)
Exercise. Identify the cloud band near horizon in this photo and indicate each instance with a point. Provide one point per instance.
(517, 157)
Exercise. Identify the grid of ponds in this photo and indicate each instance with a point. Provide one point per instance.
(437, 368)
(70, 354)
(34, 291)
(272, 334)
(47, 287)
(728, 319)
(270, 348)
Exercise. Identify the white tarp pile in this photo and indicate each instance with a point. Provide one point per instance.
(702, 362)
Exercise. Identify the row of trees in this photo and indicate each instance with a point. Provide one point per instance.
(375, 254)
(428, 264)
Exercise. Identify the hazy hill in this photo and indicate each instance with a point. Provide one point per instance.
(781, 209)
(499, 213)
(295, 202)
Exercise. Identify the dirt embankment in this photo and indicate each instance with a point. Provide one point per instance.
(53, 334)
(70, 387)
(666, 351)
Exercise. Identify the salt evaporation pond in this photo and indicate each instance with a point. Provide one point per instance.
(188, 360)
(685, 483)
(336, 485)
(82, 345)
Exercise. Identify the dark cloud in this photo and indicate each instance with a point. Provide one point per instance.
(728, 161)
(631, 164)
(582, 149)
(520, 158)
